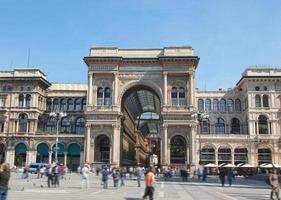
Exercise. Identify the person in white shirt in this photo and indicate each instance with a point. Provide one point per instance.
(85, 176)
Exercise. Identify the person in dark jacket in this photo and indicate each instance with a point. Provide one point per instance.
(222, 176)
(4, 180)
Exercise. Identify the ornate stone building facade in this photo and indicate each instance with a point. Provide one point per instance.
(138, 103)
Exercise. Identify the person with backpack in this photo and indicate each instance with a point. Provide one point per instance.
(105, 174)
(274, 183)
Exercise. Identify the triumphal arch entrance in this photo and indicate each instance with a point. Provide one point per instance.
(140, 103)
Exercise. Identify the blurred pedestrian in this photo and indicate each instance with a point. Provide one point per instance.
(4, 180)
(230, 176)
(85, 176)
(222, 176)
(138, 173)
(149, 184)
(105, 174)
(274, 182)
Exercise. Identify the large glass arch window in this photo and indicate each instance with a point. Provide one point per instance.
(49, 104)
(263, 125)
(207, 155)
(63, 104)
(174, 96)
(205, 126)
(51, 124)
(237, 105)
(178, 150)
(264, 156)
(28, 100)
(235, 126)
(258, 101)
(20, 154)
(21, 100)
(23, 123)
(240, 156)
(220, 126)
(55, 105)
(107, 97)
(181, 96)
(230, 105)
(265, 101)
(102, 149)
(80, 126)
(208, 105)
(65, 125)
(224, 155)
(100, 96)
(216, 105)
(222, 105)
(77, 104)
(84, 104)
(70, 104)
(200, 105)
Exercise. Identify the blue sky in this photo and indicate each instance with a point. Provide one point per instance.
(227, 35)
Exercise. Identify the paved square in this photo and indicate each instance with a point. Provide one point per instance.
(70, 188)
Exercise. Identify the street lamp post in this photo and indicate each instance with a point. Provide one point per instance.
(57, 116)
(200, 116)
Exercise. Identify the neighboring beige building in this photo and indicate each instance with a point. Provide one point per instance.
(140, 102)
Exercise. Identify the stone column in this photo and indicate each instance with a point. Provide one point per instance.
(50, 157)
(165, 88)
(216, 157)
(90, 88)
(10, 156)
(164, 144)
(88, 144)
(232, 156)
(191, 89)
(65, 158)
(194, 156)
(115, 89)
(116, 144)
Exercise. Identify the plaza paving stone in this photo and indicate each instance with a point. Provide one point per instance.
(70, 188)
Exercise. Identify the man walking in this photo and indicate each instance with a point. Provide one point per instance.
(149, 184)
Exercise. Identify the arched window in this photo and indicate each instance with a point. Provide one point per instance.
(80, 126)
(174, 96)
(181, 96)
(77, 104)
(265, 101)
(230, 105)
(220, 126)
(21, 100)
(224, 155)
(222, 105)
(65, 125)
(107, 97)
(200, 105)
(258, 101)
(102, 149)
(84, 104)
(208, 105)
(207, 155)
(216, 105)
(49, 104)
(100, 96)
(205, 126)
(235, 126)
(263, 125)
(51, 124)
(70, 104)
(178, 150)
(63, 105)
(237, 105)
(55, 105)
(23, 123)
(264, 156)
(240, 156)
(27, 100)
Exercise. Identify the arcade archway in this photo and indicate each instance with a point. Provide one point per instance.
(141, 108)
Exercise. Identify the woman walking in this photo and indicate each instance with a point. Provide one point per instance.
(149, 184)
(4, 180)
(274, 182)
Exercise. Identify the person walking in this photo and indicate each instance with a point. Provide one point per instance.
(149, 184)
(230, 176)
(105, 174)
(274, 183)
(138, 174)
(50, 175)
(85, 176)
(56, 175)
(115, 178)
(4, 180)
(122, 176)
(222, 177)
